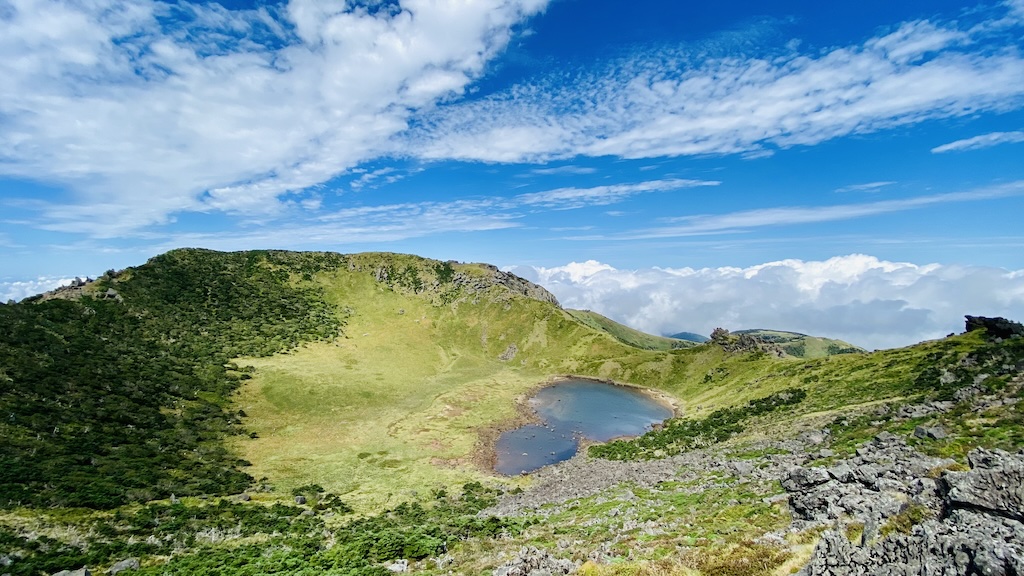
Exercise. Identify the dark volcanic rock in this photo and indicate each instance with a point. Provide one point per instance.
(976, 527)
(996, 327)
(995, 484)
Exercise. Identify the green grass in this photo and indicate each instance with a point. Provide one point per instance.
(804, 346)
(628, 335)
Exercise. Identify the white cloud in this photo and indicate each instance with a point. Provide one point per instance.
(146, 109)
(868, 187)
(665, 104)
(392, 222)
(748, 219)
(979, 142)
(18, 289)
(570, 198)
(857, 298)
(560, 170)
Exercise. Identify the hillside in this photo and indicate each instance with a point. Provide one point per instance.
(628, 335)
(364, 392)
(801, 345)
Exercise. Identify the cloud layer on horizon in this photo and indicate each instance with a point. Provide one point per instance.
(857, 298)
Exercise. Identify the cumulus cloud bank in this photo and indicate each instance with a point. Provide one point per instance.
(866, 301)
(18, 289)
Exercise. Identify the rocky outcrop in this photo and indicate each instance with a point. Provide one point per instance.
(509, 353)
(996, 327)
(995, 485)
(975, 526)
(879, 482)
(530, 561)
(495, 277)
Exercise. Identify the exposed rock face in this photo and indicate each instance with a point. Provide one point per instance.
(996, 327)
(976, 529)
(871, 487)
(515, 284)
(533, 562)
(995, 485)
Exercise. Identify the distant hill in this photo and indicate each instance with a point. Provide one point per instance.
(802, 345)
(689, 337)
(627, 335)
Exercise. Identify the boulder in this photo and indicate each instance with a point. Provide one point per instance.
(995, 484)
(300, 500)
(803, 478)
(398, 566)
(79, 572)
(123, 565)
(930, 432)
(997, 327)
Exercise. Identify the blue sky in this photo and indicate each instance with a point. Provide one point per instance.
(525, 133)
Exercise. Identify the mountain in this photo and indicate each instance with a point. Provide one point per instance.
(689, 336)
(801, 345)
(271, 412)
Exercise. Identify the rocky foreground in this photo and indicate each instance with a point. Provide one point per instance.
(887, 509)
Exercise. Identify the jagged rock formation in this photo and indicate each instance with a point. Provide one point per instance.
(997, 327)
(514, 283)
(975, 525)
(530, 561)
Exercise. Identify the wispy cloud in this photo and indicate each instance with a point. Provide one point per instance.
(571, 198)
(979, 142)
(751, 219)
(869, 187)
(401, 221)
(673, 103)
(563, 170)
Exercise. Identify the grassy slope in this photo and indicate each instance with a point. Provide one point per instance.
(802, 345)
(400, 402)
(627, 335)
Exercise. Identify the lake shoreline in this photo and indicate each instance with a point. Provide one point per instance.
(644, 406)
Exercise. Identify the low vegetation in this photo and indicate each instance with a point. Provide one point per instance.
(136, 410)
(679, 435)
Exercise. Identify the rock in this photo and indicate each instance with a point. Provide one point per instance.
(79, 572)
(975, 529)
(530, 561)
(509, 353)
(995, 484)
(997, 327)
(123, 565)
(300, 500)
(742, 468)
(244, 497)
(398, 566)
(930, 432)
(803, 478)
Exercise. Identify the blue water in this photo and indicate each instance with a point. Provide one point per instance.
(574, 409)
